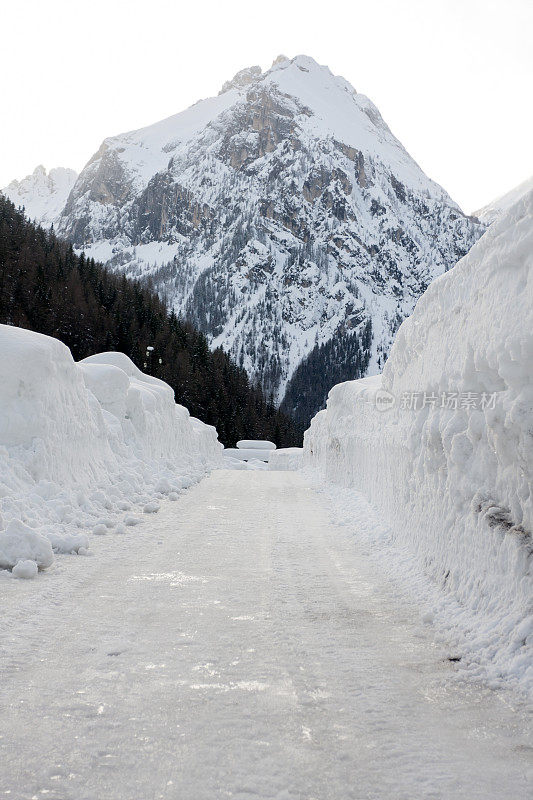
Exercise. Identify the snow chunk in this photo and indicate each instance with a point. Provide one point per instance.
(164, 486)
(21, 543)
(25, 569)
(100, 529)
(68, 542)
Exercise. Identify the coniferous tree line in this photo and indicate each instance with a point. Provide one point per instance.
(345, 357)
(46, 287)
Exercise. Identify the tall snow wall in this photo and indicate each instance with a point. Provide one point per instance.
(442, 442)
(79, 442)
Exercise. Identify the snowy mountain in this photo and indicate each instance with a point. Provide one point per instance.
(282, 217)
(495, 210)
(42, 195)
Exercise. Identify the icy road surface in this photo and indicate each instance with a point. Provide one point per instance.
(238, 645)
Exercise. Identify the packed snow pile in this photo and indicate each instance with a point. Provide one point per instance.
(287, 458)
(20, 543)
(251, 453)
(230, 462)
(442, 443)
(82, 444)
(255, 444)
(250, 450)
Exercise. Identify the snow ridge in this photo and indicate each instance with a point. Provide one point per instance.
(495, 210)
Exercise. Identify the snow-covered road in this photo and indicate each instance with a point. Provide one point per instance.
(240, 645)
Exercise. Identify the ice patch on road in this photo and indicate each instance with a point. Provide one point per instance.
(175, 578)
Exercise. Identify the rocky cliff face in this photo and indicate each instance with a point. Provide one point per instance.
(280, 216)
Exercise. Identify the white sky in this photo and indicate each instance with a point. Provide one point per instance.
(452, 78)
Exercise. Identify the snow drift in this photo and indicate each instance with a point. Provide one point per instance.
(442, 442)
(80, 444)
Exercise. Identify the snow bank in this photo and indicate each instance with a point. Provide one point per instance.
(442, 443)
(287, 458)
(248, 454)
(238, 464)
(229, 462)
(82, 443)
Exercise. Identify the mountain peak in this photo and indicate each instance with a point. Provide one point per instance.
(242, 78)
(303, 63)
(43, 194)
(281, 217)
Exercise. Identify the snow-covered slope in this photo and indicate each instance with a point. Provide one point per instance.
(442, 443)
(279, 216)
(82, 444)
(493, 211)
(42, 195)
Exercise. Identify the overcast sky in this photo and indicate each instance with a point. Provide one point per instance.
(452, 78)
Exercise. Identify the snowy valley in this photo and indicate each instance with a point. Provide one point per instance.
(196, 611)
(282, 217)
